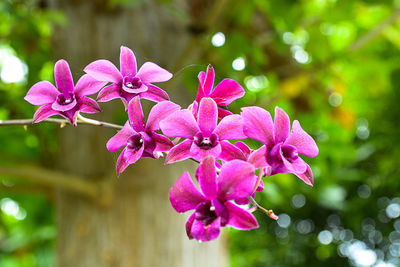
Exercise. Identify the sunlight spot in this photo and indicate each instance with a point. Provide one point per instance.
(239, 64)
(218, 39)
(325, 237)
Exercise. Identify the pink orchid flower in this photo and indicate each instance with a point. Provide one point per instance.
(281, 147)
(203, 137)
(140, 139)
(66, 100)
(213, 204)
(127, 82)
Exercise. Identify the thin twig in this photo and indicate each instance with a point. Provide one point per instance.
(270, 213)
(51, 178)
(62, 122)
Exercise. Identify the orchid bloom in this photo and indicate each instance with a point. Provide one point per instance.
(128, 82)
(66, 100)
(223, 94)
(204, 137)
(281, 146)
(140, 139)
(213, 206)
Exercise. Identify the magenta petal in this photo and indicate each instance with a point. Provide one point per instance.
(104, 70)
(189, 224)
(257, 124)
(281, 125)
(131, 156)
(198, 154)
(200, 92)
(179, 152)
(226, 92)
(154, 93)
(88, 105)
(240, 218)
(42, 93)
(127, 61)
(59, 107)
(297, 166)
(135, 114)
(205, 233)
(230, 127)
(124, 160)
(180, 124)
(159, 112)
(108, 93)
(207, 176)
(258, 158)
(120, 139)
(222, 113)
(152, 73)
(307, 176)
(208, 80)
(230, 152)
(63, 77)
(245, 149)
(184, 195)
(162, 143)
(236, 180)
(207, 116)
(44, 112)
(87, 85)
(304, 143)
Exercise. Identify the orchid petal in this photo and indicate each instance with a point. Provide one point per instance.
(222, 113)
(208, 177)
(154, 93)
(200, 91)
(159, 112)
(205, 233)
(297, 166)
(230, 127)
(226, 92)
(179, 152)
(44, 112)
(128, 157)
(127, 61)
(87, 85)
(198, 154)
(304, 143)
(88, 105)
(209, 80)
(152, 73)
(42, 93)
(244, 148)
(259, 157)
(230, 152)
(63, 77)
(120, 139)
(240, 218)
(59, 107)
(104, 70)
(307, 176)
(184, 195)
(135, 114)
(109, 93)
(189, 224)
(162, 143)
(180, 124)
(236, 180)
(207, 116)
(281, 125)
(257, 124)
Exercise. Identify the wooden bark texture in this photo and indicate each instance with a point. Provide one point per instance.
(132, 223)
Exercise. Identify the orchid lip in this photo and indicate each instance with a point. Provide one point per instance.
(65, 100)
(289, 152)
(204, 142)
(133, 84)
(205, 213)
(135, 142)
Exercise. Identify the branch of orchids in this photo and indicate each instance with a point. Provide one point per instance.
(270, 213)
(62, 122)
(45, 177)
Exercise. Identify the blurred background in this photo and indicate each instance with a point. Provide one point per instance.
(332, 64)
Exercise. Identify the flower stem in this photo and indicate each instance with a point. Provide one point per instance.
(62, 122)
(270, 213)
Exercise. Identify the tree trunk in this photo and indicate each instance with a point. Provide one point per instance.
(132, 223)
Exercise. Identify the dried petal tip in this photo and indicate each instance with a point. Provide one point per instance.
(272, 215)
(209, 66)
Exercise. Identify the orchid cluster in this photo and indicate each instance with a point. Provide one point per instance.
(228, 175)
